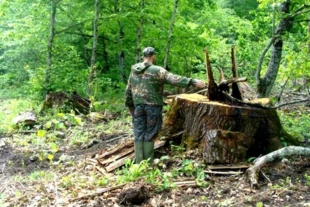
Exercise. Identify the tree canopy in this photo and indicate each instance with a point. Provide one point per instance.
(49, 45)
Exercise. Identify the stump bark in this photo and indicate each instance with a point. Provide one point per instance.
(223, 133)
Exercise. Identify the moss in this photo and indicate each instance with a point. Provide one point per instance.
(189, 142)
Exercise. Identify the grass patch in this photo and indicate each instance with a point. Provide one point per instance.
(296, 123)
(10, 109)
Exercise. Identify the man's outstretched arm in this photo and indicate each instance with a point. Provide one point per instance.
(181, 81)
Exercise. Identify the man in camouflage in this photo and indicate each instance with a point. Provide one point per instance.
(144, 98)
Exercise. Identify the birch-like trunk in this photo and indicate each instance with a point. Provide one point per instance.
(170, 33)
(50, 46)
(94, 49)
(265, 83)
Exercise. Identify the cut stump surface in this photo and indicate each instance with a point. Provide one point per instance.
(223, 133)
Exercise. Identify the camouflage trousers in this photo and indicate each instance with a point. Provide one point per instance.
(147, 121)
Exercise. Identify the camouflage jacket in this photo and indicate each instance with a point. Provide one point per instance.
(146, 84)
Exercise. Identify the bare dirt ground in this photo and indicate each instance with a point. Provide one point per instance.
(70, 181)
(283, 184)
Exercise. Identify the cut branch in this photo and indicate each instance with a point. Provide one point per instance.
(253, 172)
(291, 103)
(98, 192)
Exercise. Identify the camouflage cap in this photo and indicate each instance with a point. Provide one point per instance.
(148, 52)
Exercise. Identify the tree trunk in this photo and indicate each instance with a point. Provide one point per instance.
(176, 2)
(139, 33)
(223, 133)
(121, 53)
(50, 46)
(105, 57)
(265, 83)
(93, 56)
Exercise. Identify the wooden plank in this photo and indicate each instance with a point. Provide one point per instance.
(223, 173)
(119, 163)
(226, 167)
(159, 143)
(109, 153)
(186, 183)
(114, 158)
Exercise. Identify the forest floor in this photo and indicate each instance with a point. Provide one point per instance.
(49, 167)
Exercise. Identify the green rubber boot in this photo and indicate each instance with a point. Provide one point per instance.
(148, 151)
(139, 152)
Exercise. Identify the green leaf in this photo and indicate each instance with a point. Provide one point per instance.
(41, 133)
(54, 147)
(48, 125)
(50, 157)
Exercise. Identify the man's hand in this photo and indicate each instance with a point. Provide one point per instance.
(198, 83)
(131, 110)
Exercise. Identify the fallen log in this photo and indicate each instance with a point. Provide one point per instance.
(253, 172)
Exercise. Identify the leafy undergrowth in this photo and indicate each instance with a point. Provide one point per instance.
(47, 166)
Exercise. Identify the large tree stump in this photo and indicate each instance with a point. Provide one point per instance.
(223, 133)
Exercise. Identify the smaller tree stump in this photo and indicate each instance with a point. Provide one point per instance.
(28, 118)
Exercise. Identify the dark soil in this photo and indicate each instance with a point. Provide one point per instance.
(12, 162)
(287, 186)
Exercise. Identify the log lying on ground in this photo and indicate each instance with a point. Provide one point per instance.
(223, 133)
(253, 172)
